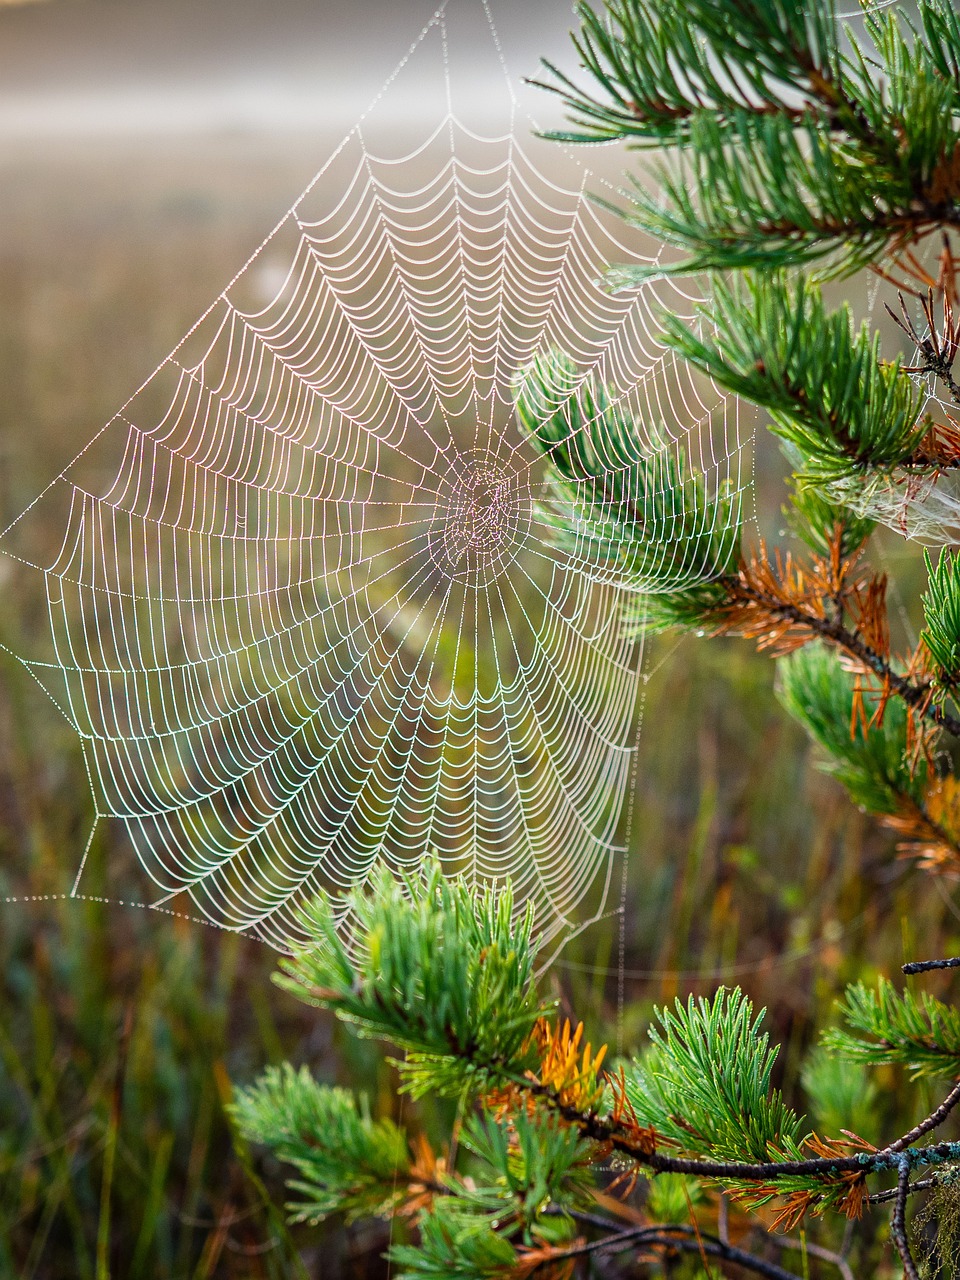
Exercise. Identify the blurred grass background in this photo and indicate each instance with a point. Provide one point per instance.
(120, 1030)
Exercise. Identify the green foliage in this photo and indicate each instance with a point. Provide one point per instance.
(829, 393)
(871, 763)
(792, 152)
(348, 1162)
(815, 519)
(887, 1026)
(909, 120)
(532, 1152)
(842, 1095)
(941, 29)
(941, 612)
(706, 1082)
(759, 194)
(445, 974)
(440, 970)
(456, 1243)
(641, 511)
(634, 49)
(529, 1162)
(670, 1196)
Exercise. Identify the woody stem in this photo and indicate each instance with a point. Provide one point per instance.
(833, 630)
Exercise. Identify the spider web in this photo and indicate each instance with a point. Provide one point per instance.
(305, 612)
(921, 509)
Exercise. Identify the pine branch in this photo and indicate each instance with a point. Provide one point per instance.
(870, 749)
(831, 397)
(619, 1137)
(456, 1243)
(641, 511)
(701, 1106)
(444, 972)
(920, 1184)
(348, 1163)
(765, 196)
(925, 966)
(735, 57)
(921, 1034)
(650, 520)
(770, 608)
(705, 1083)
(941, 611)
(764, 612)
(898, 1224)
(677, 1237)
(683, 1229)
(792, 153)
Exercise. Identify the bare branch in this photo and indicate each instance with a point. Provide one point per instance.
(932, 1121)
(925, 966)
(898, 1223)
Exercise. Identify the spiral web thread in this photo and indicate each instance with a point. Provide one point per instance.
(305, 614)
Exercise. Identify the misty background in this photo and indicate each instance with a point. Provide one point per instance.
(99, 68)
(147, 148)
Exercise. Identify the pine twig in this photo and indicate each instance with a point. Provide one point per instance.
(898, 1222)
(834, 631)
(925, 966)
(619, 1136)
(932, 1121)
(884, 1197)
(672, 1236)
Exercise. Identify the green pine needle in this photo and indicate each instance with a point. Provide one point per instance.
(830, 396)
(887, 1026)
(632, 50)
(456, 1243)
(706, 1083)
(642, 512)
(792, 153)
(941, 612)
(348, 1163)
(440, 969)
(529, 1161)
(873, 765)
(526, 1169)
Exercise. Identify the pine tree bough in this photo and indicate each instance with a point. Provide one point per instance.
(543, 1119)
(917, 696)
(895, 1156)
(854, 177)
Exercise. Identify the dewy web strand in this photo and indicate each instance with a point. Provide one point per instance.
(307, 614)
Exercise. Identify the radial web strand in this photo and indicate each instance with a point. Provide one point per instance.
(306, 613)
